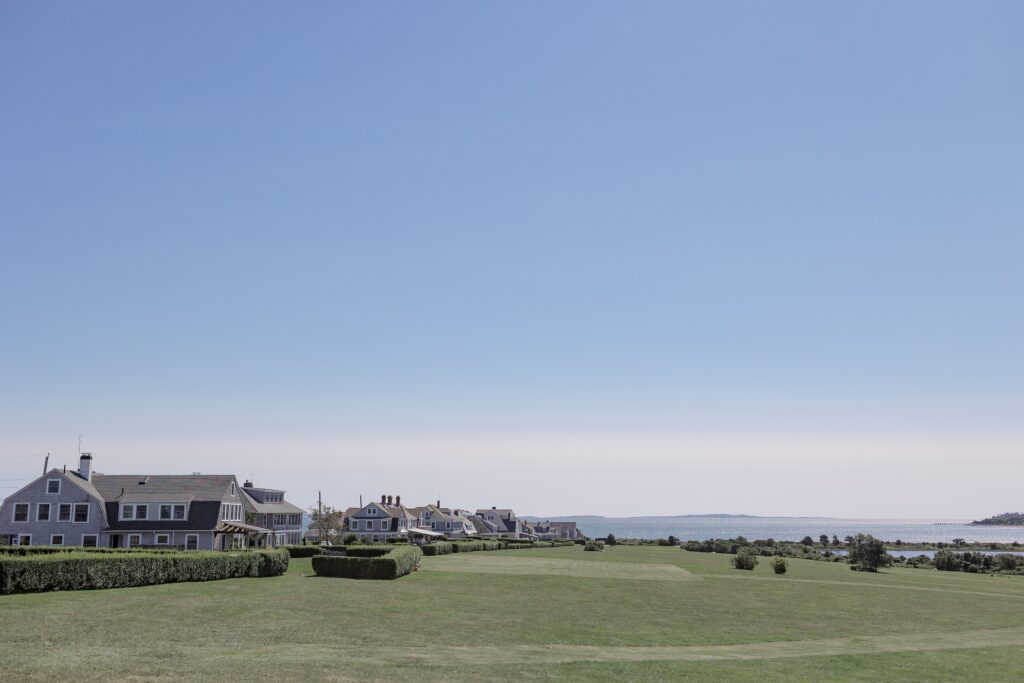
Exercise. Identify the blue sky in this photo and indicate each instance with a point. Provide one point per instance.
(345, 229)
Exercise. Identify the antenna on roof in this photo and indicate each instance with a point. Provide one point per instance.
(79, 445)
(46, 463)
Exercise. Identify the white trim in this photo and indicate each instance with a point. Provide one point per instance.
(195, 536)
(172, 506)
(53, 493)
(74, 513)
(39, 509)
(60, 536)
(156, 538)
(135, 512)
(95, 536)
(14, 513)
(128, 540)
(28, 536)
(71, 512)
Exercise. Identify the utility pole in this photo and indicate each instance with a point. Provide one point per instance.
(320, 504)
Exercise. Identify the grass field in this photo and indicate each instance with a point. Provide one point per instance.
(648, 613)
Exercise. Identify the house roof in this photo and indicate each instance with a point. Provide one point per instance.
(198, 486)
(282, 508)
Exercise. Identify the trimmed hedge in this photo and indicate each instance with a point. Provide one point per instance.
(437, 548)
(33, 550)
(87, 570)
(365, 550)
(398, 562)
(302, 550)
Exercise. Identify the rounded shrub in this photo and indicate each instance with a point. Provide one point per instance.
(746, 558)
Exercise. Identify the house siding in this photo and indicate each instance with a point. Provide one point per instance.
(34, 494)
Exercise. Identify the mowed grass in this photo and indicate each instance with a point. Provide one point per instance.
(628, 613)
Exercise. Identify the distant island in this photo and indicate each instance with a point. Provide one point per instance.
(1005, 519)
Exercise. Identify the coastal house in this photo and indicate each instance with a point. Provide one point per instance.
(549, 531)
(267, 509)
(90, 509)
(378, 522)
(504, 522)
(452, 523)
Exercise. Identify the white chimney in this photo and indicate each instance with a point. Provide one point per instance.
(85, 466)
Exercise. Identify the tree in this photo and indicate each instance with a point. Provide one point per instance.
(959, 542)
(610, 540)
(672, 540)
(823, 539)
(779, 565)
(807, 540)
(328, 522)
(835, 540)
(867, 553)
(746, 558)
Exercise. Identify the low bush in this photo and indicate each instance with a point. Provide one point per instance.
(745, 559)
(302, 550)
(398, 562)
(438, 548)
(368, 550)
(779, 565)
(86, 570)
(593, 546)
(467, 546)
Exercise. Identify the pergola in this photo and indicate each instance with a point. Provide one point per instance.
(240, 529)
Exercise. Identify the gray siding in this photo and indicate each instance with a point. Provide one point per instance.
(35, 494)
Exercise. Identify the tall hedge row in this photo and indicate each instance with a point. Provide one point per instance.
(86, 570)
(302, 550)
(399, 562)
(32, 550)
(437, 548)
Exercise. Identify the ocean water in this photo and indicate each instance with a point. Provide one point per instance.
(793, 528)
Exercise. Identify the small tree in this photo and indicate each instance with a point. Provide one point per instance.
(807, 540)
(593, 546)
(779, 565)
(746, 558)
(350, 539)
(867, 553)
(959, 542)
(835, 540)
(823, 539)
(610, 540)
(672, 540)
(328, 522)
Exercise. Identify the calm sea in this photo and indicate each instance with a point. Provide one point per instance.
(793, 528)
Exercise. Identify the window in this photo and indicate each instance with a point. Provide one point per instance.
(232, 488)
(192, 542)
(172, 512)
(64, 512)
(89, 541)
(134, 540)
(371, 511)
(43, 512)
(21, 512)
(163, 539)
(354, 524)
(53, 485)
(57, 539)
(81, 512)
(134, 511)
(25, 539)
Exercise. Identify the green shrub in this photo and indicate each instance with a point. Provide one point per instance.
(467, 546)
(302, 550)
(593, 546)
(746, 558)
(437, 548)
(779, 565)
(399, 562)
(367, 550)
(85, 570)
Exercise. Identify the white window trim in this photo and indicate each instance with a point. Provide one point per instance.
(71, 512)
(156, 539)
(354, 525)
(60, 536)
(195, 536)
(74, 510)
(28, 513)
(135, 512)
(39, 507)
(173, 506)
(53, 493)
(128, 540)
(28, 536)
(95, 536)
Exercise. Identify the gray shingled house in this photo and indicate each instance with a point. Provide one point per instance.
(267, 508)
(83, 508)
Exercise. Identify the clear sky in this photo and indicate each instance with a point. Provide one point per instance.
(577, 257)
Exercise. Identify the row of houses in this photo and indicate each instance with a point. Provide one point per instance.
(390, 519)
(85, 508)
(195, 512)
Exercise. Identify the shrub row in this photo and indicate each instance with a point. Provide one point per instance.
(398, 562)
(33, 550)
(302, 550)
(86, 570)
(437, 548)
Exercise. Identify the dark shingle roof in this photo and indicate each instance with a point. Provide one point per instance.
(197, 486)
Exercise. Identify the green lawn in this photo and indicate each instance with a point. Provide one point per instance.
(626, 613)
